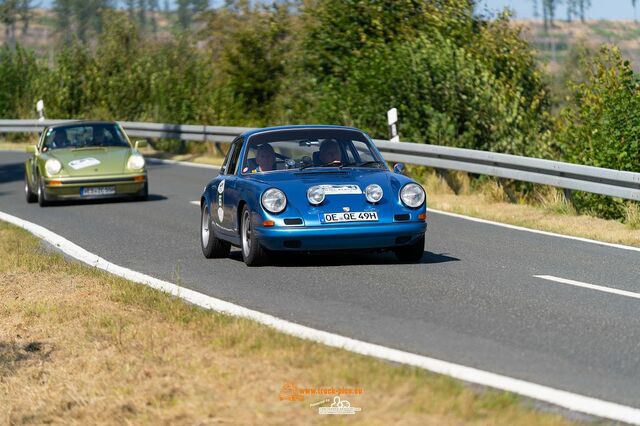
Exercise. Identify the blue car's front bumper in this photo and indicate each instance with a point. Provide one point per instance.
(340, 237)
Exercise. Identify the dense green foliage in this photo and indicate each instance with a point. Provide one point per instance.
(457, 78)
(601, 124)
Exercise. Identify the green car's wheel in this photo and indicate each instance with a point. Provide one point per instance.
(211, 245)
(28, 193)
(252, 252)
(42, 197)
(143, 195)
(411, 253)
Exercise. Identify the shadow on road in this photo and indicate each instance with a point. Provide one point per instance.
(11, 172)
(152, 197)
(288, 259)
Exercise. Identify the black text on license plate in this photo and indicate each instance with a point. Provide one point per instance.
(97, 190)
(349, 217)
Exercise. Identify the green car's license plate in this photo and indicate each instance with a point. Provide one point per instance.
(97, 190)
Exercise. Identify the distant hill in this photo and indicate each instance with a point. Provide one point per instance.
(555, 45)
(41, 35)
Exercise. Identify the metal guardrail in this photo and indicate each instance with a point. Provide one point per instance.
(596, 180)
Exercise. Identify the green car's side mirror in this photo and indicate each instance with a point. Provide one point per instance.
(141, 144)
(31, 149)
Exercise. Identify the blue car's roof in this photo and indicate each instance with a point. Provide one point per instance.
(298, 127)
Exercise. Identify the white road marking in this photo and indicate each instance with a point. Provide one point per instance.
(195, 203)
(590, 286)
(534, 231)
(572, 401)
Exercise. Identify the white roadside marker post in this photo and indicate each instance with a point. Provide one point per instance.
(392, 119)
(40, 109)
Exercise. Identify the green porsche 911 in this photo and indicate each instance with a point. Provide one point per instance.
(85, 160)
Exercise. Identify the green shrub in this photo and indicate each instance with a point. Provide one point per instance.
(601, 125)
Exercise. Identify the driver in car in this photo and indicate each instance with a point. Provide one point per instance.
(60, 140)
(265, 158)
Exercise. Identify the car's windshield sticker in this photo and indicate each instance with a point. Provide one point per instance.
(83, 163)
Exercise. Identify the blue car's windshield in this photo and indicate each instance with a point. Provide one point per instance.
(306, 148)
(85, 136)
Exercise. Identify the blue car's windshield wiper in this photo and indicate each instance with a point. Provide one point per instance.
(336, 163)
(367, 163)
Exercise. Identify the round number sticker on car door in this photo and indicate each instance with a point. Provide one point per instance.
(221, 201)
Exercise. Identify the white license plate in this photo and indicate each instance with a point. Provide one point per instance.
(97, 190)
(349, 217)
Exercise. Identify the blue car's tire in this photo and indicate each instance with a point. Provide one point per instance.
(412, 252)
(252, 251)
(212, 247)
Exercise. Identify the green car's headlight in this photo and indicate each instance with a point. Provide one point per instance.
(52, 166)
(135, 162)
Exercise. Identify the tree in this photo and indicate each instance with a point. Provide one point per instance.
(549, 12)
(572, 9)
(80, 18)
(583, 5)
(599, 126)
(9, 18)
(254, 61)
(187, 9)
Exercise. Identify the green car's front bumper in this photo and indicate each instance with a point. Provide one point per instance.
(112, 186)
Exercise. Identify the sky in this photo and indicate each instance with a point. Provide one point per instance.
(600, 9)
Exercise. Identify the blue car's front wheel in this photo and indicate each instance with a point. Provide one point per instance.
(412, 252)
(252, 252)
(211, 245)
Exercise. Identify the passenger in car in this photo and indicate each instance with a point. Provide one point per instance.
(329, 151)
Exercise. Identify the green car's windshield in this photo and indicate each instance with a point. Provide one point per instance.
(307, 148)
(85, 136)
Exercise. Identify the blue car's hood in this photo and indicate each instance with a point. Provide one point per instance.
(295, 184)
(294, 181)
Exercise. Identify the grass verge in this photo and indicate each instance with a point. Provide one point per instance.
(80, 346)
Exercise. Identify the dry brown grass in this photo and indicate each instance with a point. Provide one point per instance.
(549, 212)
(79, 346)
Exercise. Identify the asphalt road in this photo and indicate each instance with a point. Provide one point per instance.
(473, 300)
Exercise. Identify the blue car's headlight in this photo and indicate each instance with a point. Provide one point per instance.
(274, 200)
(412, 195)
(373, 193)
(315, 195)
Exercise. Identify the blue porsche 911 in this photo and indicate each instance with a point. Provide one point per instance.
(310, 188)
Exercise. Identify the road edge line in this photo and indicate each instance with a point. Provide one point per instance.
(565, 399)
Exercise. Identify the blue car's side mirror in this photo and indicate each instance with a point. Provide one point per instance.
(399, 168)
